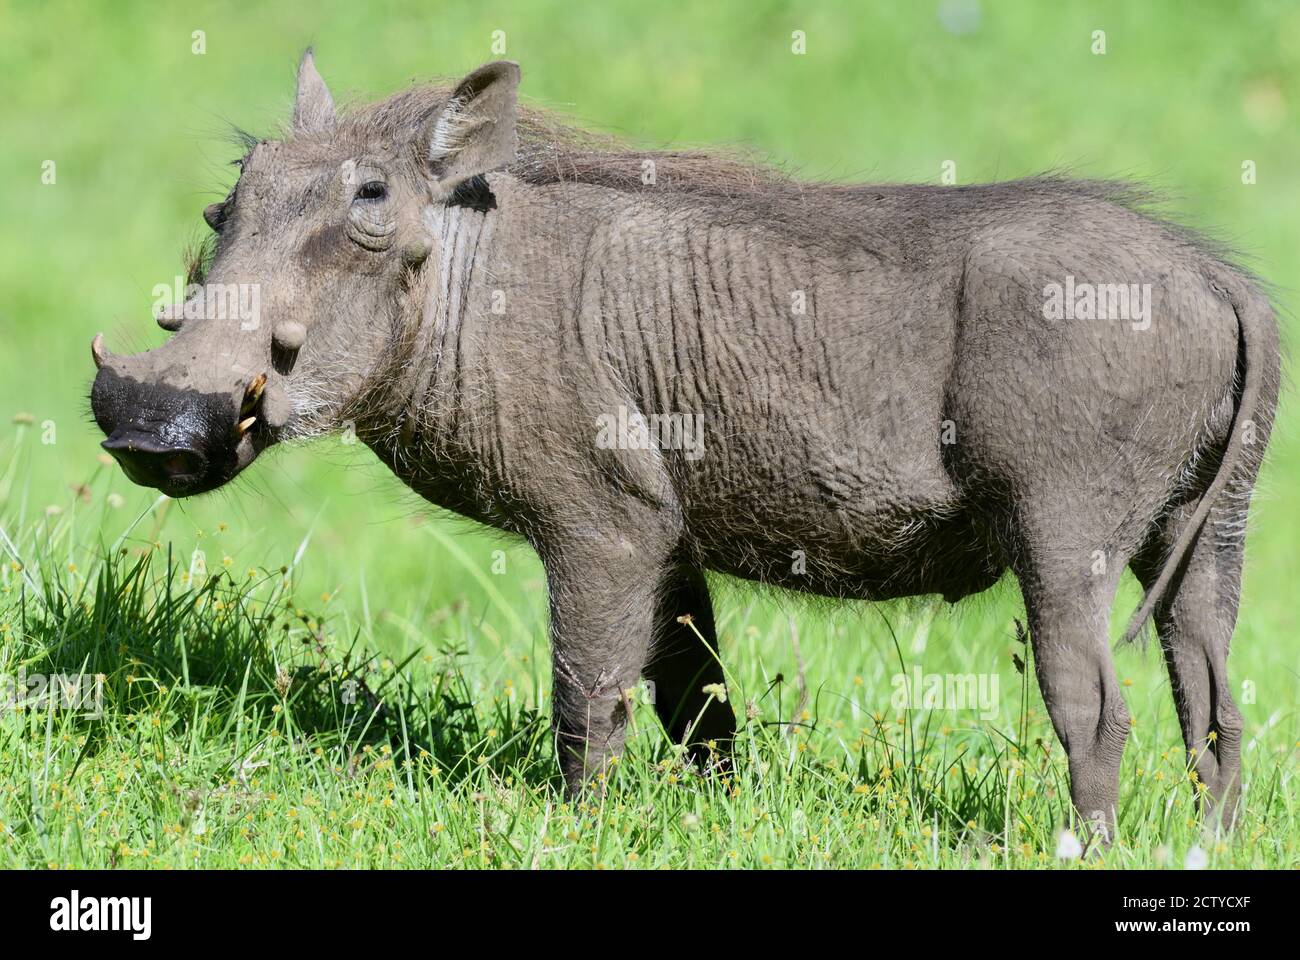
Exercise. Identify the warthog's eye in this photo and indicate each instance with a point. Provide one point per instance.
(370, 221)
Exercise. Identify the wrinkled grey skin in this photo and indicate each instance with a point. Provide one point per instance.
(470, 287)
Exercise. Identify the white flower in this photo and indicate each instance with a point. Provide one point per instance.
(1196, 859)
(715, 690)
(1068, 846)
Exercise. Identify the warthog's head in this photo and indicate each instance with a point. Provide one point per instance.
(295, 317)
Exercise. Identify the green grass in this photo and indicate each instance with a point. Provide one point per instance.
(245, 723)
(225, 738)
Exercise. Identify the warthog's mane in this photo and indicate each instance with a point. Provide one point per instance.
(553, 149)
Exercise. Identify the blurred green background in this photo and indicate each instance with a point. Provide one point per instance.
(137, 124)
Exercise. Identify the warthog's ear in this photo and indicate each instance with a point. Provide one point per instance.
(474, 132)
(313, 108)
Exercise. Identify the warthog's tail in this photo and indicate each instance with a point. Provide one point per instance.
(1253, 316)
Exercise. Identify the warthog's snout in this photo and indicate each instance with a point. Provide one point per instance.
(151, 463)
(176, 438)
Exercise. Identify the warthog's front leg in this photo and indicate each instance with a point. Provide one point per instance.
(686, 671)
(604, 590)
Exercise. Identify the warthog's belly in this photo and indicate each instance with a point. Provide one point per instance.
(953, 557)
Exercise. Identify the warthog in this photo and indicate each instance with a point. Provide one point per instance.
(875, 391)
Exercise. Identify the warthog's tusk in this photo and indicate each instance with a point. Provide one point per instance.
(244, 426)
(253, 393)
(97, 351)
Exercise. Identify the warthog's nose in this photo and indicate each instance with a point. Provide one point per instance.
(151, 463)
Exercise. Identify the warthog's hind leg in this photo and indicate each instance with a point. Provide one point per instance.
(1068, 593)
(1195, 626)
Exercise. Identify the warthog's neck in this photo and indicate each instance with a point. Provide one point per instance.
(437, 425)
(442, 317)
